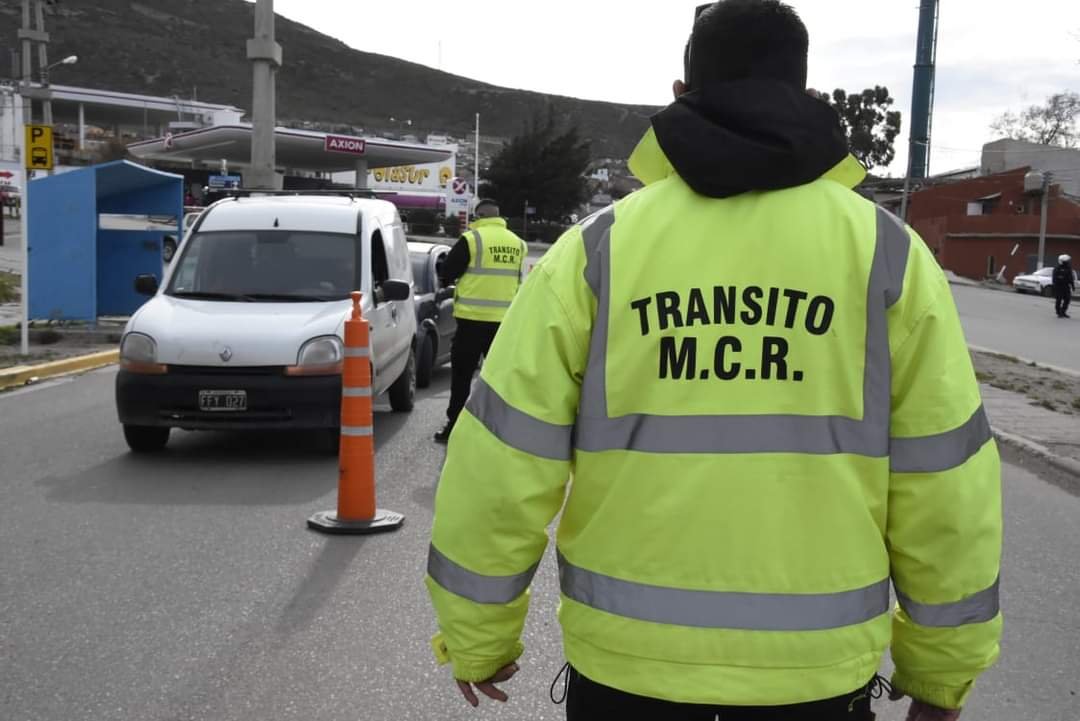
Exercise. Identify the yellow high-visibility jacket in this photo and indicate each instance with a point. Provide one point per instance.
(766, 415)
(488, 286)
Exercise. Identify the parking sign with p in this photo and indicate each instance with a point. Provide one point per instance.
(39, 147)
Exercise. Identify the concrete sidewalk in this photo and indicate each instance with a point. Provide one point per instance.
(1051, 436)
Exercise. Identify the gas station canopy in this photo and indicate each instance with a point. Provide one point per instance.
(296, 149)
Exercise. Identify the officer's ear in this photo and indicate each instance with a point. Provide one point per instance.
(679, 88)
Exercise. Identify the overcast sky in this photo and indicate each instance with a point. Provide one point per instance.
(992, 55)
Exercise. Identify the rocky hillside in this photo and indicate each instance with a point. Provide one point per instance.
(169, 47)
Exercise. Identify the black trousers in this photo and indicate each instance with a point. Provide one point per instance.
(588, 700)
(472, 339)
(1062, 298)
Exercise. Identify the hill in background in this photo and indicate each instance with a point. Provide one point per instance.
(173, 47)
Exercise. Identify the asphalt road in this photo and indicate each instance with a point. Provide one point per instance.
(1020, 324)
(186, 586)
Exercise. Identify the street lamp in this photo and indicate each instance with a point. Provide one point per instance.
(69, 60)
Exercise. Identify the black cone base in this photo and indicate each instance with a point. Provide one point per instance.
(328, 522)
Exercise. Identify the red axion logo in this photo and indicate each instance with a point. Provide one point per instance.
(344, 144)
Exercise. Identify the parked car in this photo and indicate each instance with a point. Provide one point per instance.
(246, 328)
(435, 324)
(1041, 282)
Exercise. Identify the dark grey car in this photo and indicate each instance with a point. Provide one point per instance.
(435, 323)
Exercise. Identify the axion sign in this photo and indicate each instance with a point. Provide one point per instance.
(344, 144)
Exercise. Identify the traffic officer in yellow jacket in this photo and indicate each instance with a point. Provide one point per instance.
(751, 389)
(485, 264)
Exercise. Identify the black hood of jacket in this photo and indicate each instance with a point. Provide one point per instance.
(728, 138)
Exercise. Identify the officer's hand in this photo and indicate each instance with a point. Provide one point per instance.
(488, 688)
(922, 711)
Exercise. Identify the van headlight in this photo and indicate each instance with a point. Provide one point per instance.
(138, 354)
(322, 356)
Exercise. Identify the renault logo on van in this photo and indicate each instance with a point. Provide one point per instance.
(226, 354)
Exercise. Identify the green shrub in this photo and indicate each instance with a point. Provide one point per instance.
(9, 287)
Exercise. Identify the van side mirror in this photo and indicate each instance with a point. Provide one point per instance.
(393, 290)
(146, 285)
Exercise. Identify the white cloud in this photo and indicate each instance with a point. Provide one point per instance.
(992, 56)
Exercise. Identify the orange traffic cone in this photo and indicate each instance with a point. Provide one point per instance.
(356, 511)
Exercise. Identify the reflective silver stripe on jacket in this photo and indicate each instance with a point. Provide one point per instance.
(517, 429)
(478, 260)
(723, 609)
(869, 436)
(977, 608)
(474, 586)
(495, 271)
(933, 454)
(483, 302)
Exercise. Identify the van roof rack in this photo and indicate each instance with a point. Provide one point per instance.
(340, 192)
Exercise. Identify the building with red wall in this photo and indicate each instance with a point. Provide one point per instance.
(979, 226)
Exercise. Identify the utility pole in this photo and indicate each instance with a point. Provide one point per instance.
(25, 115)
(476, 159)
(43, 64)
(265, 55)
(24, 228)
(1047, 177)
(27, 35)
(922, 98)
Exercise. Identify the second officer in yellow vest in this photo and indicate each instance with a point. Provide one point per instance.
(485, 264)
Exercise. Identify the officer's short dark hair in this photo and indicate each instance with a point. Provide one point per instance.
(738, 39)
(487, 207)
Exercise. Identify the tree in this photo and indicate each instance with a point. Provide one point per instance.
(870, 125)
(110, 150)
(1054, 123)
(544, 166)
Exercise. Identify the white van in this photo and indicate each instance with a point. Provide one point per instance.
(246, 329)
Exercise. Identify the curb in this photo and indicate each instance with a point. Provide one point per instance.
(1025, 361)
(1030, 447)
(23, 375)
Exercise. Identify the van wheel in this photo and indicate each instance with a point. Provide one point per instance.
(403, 391)
(146, 439)
(425, 363)
(168, 250)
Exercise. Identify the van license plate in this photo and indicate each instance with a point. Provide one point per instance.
(222, 401)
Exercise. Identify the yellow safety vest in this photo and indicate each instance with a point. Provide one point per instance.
(767, 424)
(488, 286)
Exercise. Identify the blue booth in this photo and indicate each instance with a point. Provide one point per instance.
(94, 229)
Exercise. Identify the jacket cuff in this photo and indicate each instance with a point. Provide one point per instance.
(475, 670)
(950, 697)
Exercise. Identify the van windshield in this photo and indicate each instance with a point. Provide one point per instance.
(268, 266)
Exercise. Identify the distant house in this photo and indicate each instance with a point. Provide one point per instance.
(1062, 163)
(989, 225)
